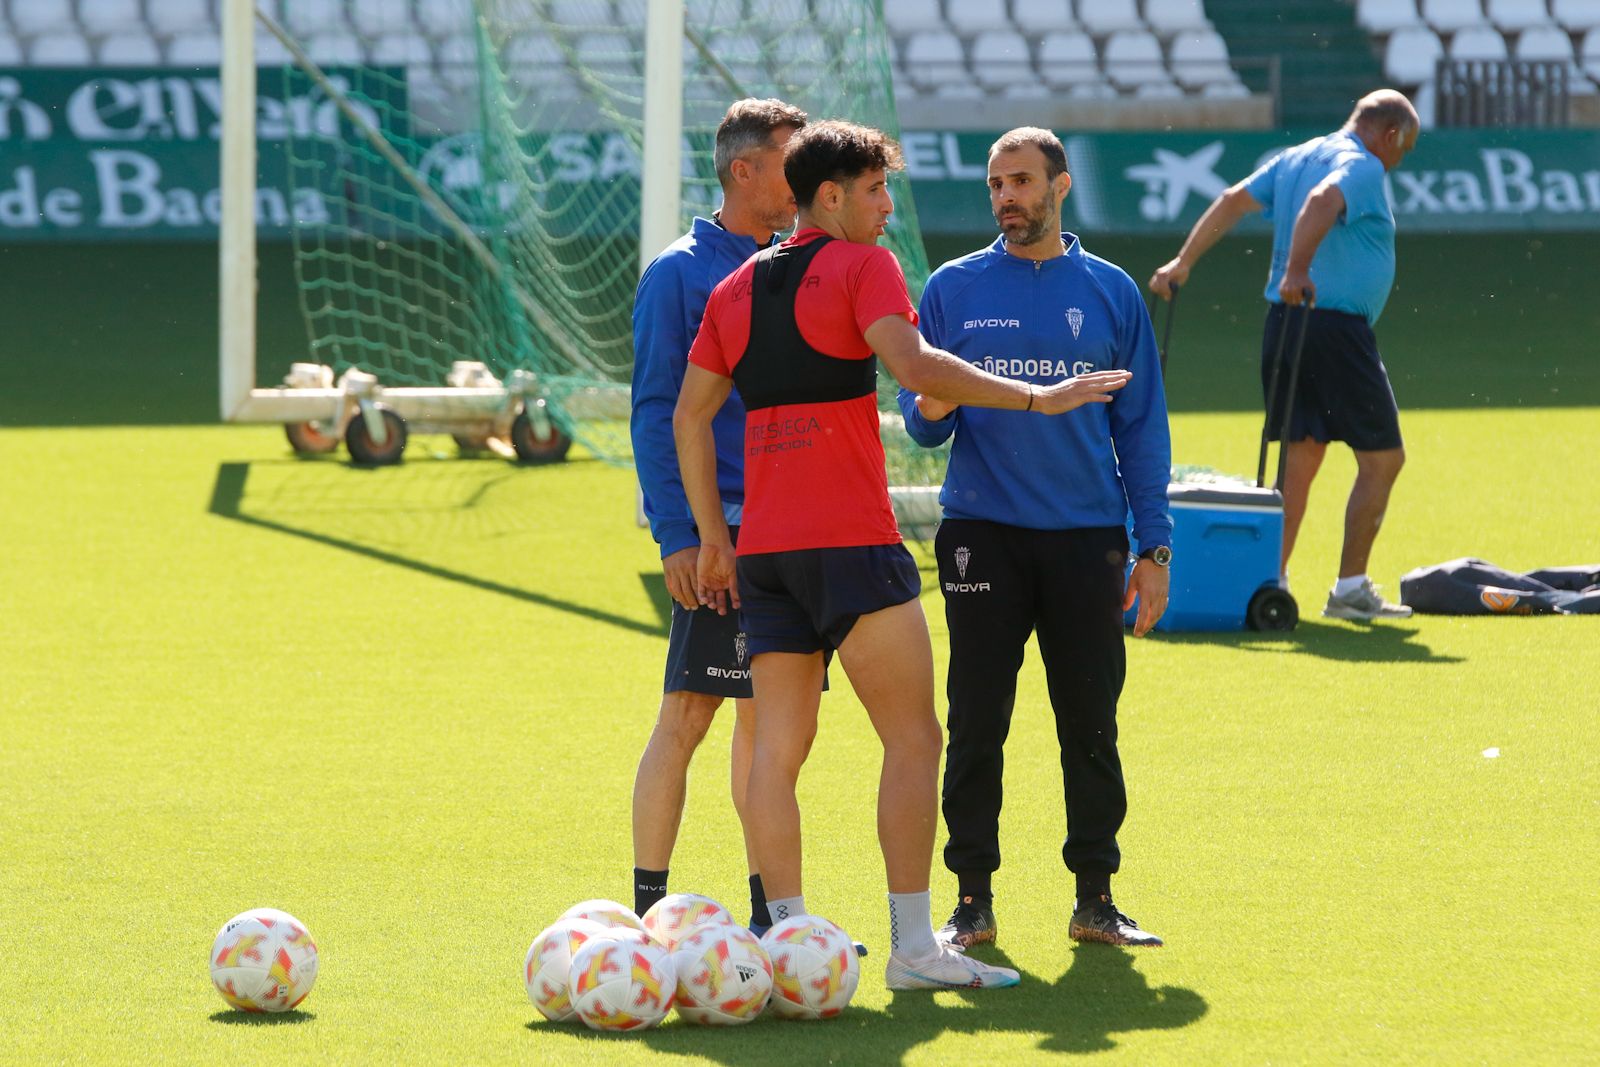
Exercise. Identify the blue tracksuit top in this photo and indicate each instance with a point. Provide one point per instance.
(1043, 322)
(666, 316)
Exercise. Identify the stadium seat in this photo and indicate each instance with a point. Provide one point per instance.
(1133, 57)
(741, 54)
(972, 17)
(1161, 90)
(1425, 100)
(1170, 17)
(375, 18)
(1105, 17)
(905, 17)
(934, 60)
(444, 18)
(270, 51)
(1591, 53)
(168, 18)
(195, 50)
(1577, 15)
(1478, 42)
(1068, 58)
(1515, 16)
(129, 49)
(336, 50)
(59, 49)
(1039, 17)
(588, 14)
(1000, 59)
(534, 61)
(1200, 57)
(1552, 43)
(310, 18)
(610, 55)
(1229, 90)
(10, 51)
(31, 18)
(458, 61)
(400, 50)
(1383, 17)
(102, 17)
(1448, 16)
(1411, 55)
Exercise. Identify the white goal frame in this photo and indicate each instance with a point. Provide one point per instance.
(241, 400)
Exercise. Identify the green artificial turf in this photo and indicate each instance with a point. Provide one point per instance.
(405, 705)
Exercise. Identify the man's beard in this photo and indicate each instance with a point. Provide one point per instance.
(1036, 225)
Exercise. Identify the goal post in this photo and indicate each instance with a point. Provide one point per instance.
(484, 195)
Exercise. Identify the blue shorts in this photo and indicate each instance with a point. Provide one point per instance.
(1343, 393)
(706, 652)
(809, 599)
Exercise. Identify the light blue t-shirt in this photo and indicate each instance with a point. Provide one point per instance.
(1353, 268)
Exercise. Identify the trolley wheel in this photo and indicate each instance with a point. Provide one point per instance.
(364, 451)
(1272, 608)
(310, 438)
(531, 447)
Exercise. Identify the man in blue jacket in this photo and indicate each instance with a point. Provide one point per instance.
(1034, 535)
(706, 656)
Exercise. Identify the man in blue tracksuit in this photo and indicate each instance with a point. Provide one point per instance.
(706, 654)
(1034, 535)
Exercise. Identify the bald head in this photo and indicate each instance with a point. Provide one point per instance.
(1385, 109)
(1387, 124)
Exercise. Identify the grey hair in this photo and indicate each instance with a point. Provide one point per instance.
(749, 126)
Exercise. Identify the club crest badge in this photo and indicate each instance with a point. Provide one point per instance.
(740, 646)
(1075, 320)
(963, 557)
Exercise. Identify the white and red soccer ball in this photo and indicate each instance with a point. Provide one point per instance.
(814, 968)
(724, 976)
(676, 916)
(604, 912)
(263, 960)
(621, 984)
(549, 961)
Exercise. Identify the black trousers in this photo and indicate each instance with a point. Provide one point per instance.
(1000, 584)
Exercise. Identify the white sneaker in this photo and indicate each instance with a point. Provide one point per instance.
(1364, 603)
(947, 968)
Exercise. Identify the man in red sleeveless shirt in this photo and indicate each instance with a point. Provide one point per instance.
(820, 564)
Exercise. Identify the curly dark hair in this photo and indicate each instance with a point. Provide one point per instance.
(835, 151)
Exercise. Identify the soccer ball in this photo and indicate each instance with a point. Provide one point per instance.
(677, 915)
(549, 961)
(724, 976)
(604, 912)
(814, 968)
(263, 960)
(620, 985)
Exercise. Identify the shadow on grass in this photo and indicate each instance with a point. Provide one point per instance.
(227, 494)
(1101, 995)
(234, 1017)
(1352, 642)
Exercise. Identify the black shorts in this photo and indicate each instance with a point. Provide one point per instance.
(809, 599)
(706, 652)
(1343, 393)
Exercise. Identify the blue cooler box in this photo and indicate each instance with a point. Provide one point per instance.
(1227, 539)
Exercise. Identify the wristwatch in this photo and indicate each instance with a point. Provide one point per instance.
(1160, 555)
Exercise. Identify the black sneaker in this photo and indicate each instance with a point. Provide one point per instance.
(970, 924)
(1099, 920)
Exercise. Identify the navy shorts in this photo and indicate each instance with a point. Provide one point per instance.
(706, 652)
(809, 599)
(1343, 393)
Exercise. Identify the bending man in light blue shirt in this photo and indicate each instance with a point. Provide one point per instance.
(1333, 250)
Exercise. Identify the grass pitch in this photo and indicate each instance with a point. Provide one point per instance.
(405, 705)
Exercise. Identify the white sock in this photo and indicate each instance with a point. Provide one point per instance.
(1346, 586)
(786, 908)
(911, 926)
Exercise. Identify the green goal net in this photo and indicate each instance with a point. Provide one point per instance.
(480, 191)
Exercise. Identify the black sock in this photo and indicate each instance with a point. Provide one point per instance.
(975, 887)
(1092, 885)
(759, 915)
(648, 887)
